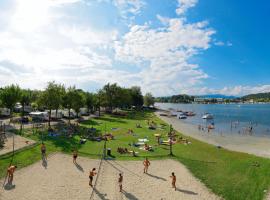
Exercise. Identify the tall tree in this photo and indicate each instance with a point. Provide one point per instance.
(78, 101)
(51, 98)
(89, 101)
(148, 99)
(110, 96)
(136, 96)
(10, 95)
(68, 100)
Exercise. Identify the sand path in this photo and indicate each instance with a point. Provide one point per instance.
(61, 179)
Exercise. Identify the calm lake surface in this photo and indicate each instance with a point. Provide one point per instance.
(250, 119)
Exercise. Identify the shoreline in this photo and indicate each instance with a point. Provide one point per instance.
(258, 146)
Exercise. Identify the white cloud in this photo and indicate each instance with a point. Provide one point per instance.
(219, 43)
(129, 6)
(167, 49)
(184, 5)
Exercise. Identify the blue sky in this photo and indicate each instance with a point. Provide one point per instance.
(164, 46)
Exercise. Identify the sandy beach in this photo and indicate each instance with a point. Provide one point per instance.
(61, 179)
(243, 143)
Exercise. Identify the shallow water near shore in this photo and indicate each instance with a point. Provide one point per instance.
(235, 119)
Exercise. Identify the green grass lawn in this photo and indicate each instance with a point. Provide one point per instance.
(229, 174)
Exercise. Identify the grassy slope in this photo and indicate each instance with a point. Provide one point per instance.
(228, 174)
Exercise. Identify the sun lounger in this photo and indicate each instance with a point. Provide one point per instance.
(143, 140)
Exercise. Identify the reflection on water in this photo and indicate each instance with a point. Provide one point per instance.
(249, 119)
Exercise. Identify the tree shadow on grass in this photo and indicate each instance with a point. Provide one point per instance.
(90, 122)
(129, 196)
(157, 177)
(118, 120)
(65, 143)
(100, 195)
(193, 160)
(186, 191)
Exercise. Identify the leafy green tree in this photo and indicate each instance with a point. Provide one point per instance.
(10, 95)
(78, 101)
(51, 98)
(89, 101)
(136, 96)
(148, 99)
(68, 100)
(109, 95)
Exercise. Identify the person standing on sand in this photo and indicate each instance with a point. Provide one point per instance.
(91, 176)
(10, 171)
(173, 177)
(120, 182)
(146, 164)
(75, 155)
(43, 151)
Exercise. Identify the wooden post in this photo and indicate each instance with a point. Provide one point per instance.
(170, 134)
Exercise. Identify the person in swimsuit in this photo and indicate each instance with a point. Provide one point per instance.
(43, 151)
(91, 176)
(10, 171)
(75, 155)
(120, 182)
(173, 177)
(146, 164)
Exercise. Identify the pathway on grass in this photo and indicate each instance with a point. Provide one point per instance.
(61, 179)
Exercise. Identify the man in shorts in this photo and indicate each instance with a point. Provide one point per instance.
(91, 176)
(173, 177)
(10, 171)
(120, 182)
(146, 164)
(75, 155)
(43, 151)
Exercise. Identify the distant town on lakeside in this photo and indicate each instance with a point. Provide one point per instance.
(215, 98)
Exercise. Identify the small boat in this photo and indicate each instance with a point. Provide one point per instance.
(182, 116)
(208, 116)
(190, 114)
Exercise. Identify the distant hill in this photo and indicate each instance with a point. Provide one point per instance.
(217, 96)
(262, 97)
(181, 98)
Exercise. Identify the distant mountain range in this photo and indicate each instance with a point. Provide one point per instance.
(217, 96)
(183, 98)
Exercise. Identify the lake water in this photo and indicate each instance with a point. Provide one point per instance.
(251, 119)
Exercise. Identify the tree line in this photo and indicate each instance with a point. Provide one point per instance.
(57, 96)
(181, 98)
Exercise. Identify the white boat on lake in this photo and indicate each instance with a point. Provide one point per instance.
(208, 116)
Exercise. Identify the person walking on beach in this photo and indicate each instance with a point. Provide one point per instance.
(91, 176)
(43, 151)
(146, 164)
(75, 155)
(120, 182)
(10, 171)
(173, 177)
